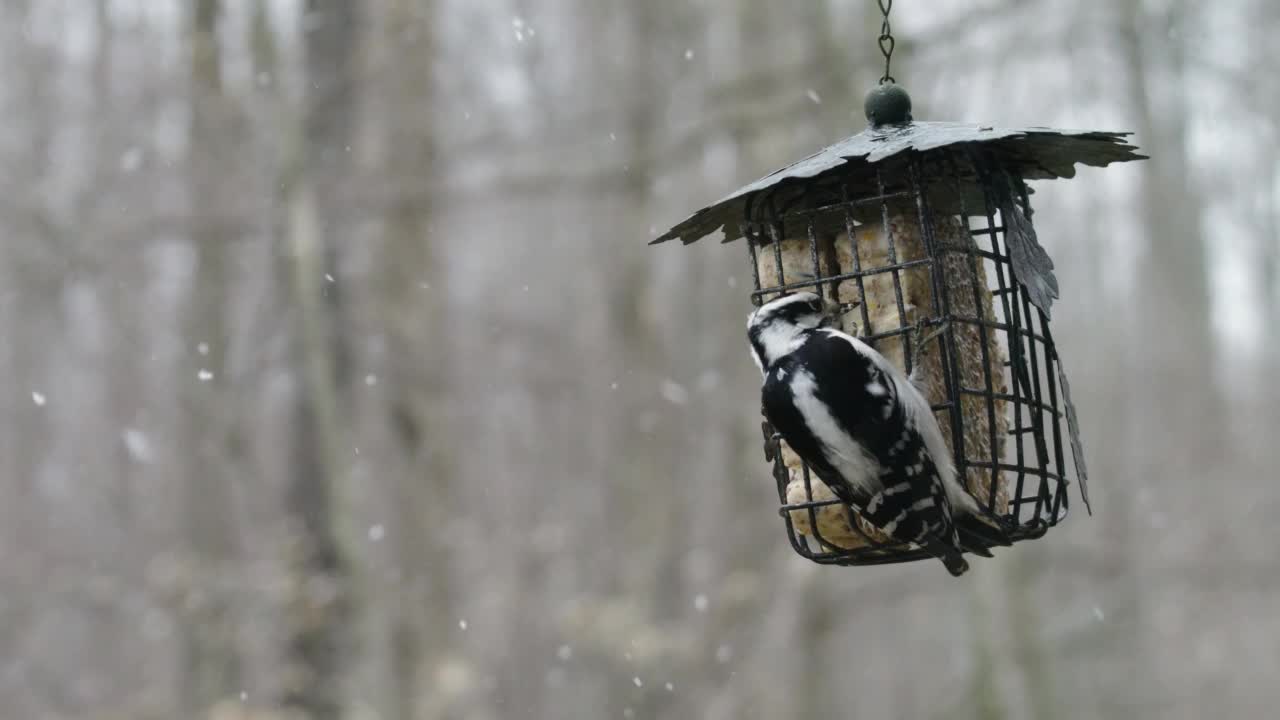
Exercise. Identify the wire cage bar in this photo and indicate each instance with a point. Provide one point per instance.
(918, 248)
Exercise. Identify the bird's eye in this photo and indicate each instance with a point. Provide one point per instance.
(816, 306)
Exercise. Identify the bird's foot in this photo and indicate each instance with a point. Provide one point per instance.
(921, 336)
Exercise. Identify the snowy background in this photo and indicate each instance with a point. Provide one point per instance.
(338, 377)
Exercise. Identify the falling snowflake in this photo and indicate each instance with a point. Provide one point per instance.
(376, 533)
(708, 381)
(138, 445)
(131, 160)
(37, 398)
(204, 375)
(674, 392)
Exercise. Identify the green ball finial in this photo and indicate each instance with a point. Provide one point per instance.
(887, 104)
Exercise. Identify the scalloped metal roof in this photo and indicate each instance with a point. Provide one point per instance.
(1036, 153)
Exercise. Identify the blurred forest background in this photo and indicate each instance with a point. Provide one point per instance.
(339, 379)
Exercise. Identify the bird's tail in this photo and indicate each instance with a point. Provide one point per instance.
(950, 557)
(978, 532)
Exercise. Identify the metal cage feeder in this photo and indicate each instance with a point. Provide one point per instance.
(924, 229)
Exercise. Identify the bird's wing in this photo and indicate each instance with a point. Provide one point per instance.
(781, 406)
(913, 505)
(861, 396)
(833, 409)
(907, 498)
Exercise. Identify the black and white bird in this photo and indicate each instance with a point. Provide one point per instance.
(865, 429)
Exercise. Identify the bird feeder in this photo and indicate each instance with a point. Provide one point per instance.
(923, 229)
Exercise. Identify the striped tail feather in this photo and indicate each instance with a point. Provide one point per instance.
(979, 533)
(950, 557)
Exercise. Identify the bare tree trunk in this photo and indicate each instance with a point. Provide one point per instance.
(1173, 321)
(1026, 626)
(210, 665)
(321, 602)
(412, 306)
(1173, 280)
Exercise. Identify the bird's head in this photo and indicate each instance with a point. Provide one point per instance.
(776, 327)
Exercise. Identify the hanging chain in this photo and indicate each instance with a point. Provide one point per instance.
(886, 40)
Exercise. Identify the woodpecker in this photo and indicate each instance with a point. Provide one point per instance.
(865, 429)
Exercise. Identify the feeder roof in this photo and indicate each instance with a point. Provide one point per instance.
(1036, 153)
